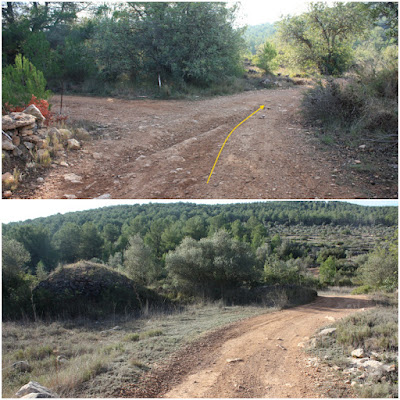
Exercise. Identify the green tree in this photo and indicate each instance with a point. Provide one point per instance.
(16, 284)
(322, 38)
(15, 257)
(193, 42)
(265, 57)
(328, 270)
(21, 81)
(140, 263)
(387, 15)
(171, 236)
(211, 266)
(36, 240)
(91, 242)
(68, 241)
(195, 227)
(276, 241)
(114, 48)
(380, 271)
(111, 232)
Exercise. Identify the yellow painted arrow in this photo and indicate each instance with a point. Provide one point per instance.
(260, 108)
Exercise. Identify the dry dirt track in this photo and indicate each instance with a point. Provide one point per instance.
(270, 361)
(166, 149)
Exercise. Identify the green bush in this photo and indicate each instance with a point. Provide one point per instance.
(21, 81)
(265, 57)
(364, 289)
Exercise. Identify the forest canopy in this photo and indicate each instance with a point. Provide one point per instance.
(77, 42)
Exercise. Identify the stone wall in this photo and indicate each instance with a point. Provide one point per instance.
(28, 143)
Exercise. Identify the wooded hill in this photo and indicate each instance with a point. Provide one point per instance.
(103, 232)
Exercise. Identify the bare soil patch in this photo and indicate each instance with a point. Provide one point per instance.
(258, 357)
(166, 149)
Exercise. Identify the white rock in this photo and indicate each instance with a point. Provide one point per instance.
(327, 331)
(17, 120)
(7, 178)
(35, 387)
(7, 145)
(73, 178)
(358, 353)
(103, 196)
(33, 110)
(73, 144)
(69, 196)
(176, 159)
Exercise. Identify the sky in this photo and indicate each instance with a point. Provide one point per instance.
(256, 12)
(21, 210)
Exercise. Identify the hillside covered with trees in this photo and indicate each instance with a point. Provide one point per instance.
(213, 251)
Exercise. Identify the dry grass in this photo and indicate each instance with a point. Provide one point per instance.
(100, 359)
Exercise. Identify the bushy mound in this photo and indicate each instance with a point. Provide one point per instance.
(91, 290)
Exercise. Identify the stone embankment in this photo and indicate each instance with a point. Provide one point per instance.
(27, 144)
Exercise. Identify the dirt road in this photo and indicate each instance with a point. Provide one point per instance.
(258, 357)
(166, 149)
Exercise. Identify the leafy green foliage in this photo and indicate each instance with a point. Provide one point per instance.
(140, 263)
(21, 81)
(16, 285)
(67, 242)
(212, 265)
(328, 270)
(380, 271)
(266, 54)
(321, 39)
(126, 44)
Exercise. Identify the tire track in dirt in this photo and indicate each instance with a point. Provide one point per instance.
(264, 358)
(166, 149)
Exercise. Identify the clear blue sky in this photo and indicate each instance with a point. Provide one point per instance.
(21, 210)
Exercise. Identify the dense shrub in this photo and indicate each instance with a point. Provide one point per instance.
(211, 266)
